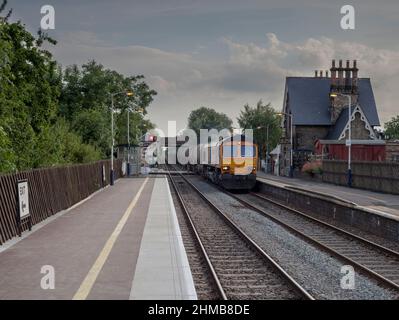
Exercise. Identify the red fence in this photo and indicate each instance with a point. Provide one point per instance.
(50, 190)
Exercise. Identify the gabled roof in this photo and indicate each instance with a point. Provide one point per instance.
(342, 122)
(309, 100)
(339, 124)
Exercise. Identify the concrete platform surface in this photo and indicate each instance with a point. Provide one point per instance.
(372, 201)
(162, 270)
(94, 250)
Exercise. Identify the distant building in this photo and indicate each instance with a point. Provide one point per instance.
(316, 115)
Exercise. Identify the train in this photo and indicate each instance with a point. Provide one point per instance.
(230, 163)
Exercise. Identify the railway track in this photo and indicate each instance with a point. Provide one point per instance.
(205, 285)
(376, 261)
(240, 269)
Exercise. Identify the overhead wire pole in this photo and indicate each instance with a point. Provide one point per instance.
(292, 147)
(112, 174)
(139, 111)
(267, 147)
(111, 179)
(267, 143)
(349, 141)
(128, 142)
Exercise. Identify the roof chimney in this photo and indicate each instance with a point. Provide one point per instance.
(348, 80)
(333, 76)
(354, 77)
(340, 76)
(315, 73)
(326, 73)
(321, 73)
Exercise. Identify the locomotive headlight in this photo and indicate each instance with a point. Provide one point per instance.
(225, 168)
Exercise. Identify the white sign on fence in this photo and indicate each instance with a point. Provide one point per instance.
(23, 198)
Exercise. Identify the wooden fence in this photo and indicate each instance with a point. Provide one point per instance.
(375, 176)
(51, 190)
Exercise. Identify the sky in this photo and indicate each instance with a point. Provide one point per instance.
(224, 54)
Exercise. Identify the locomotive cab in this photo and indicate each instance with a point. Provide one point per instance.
(238, 164)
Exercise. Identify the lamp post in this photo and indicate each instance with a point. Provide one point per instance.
(127, 93)
(267, 145)
(349, 140)
(291, 173)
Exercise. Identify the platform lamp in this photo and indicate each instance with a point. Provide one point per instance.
(129, 94)
(349, 140)
(291, 174)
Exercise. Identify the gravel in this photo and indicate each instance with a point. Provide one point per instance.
(315, 270)
(243, 273)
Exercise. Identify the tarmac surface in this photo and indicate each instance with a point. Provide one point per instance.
(382, 202)
(122, 243)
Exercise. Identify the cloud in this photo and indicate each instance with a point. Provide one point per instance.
(246, 74)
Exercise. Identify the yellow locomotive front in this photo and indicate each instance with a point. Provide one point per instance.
(238, 164)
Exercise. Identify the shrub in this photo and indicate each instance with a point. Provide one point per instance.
(313, 167)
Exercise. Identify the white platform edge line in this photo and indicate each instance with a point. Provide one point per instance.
(188, 278)
(10, 243)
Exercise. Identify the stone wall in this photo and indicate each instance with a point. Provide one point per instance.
(375, 176)
(392, 151)
(340, 102)
(359, 131)
(328, 208)
(306, 136)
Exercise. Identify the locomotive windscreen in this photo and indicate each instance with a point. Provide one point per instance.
(232, 151)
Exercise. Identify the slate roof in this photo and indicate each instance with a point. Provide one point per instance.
(309, 100)
(339, 124)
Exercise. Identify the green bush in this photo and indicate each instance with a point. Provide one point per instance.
(313, 167)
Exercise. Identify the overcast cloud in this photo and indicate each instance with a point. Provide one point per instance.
(224, 54)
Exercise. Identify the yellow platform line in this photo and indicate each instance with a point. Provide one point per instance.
(91, 277)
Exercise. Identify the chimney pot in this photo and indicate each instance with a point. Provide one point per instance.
(321, 73)
(315, 73)
(333, 63)
(354, 78)
(347, 64)
(341, 81)
(326, 73)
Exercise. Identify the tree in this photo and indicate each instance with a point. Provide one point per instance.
(207, 118)
(86, 98)
(29, 90)
(94, 128)
(7, 156)
(49, 116)
(392, 128)
(260, 117)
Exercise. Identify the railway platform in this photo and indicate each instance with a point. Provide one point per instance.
(378, 203)
(123, 243)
